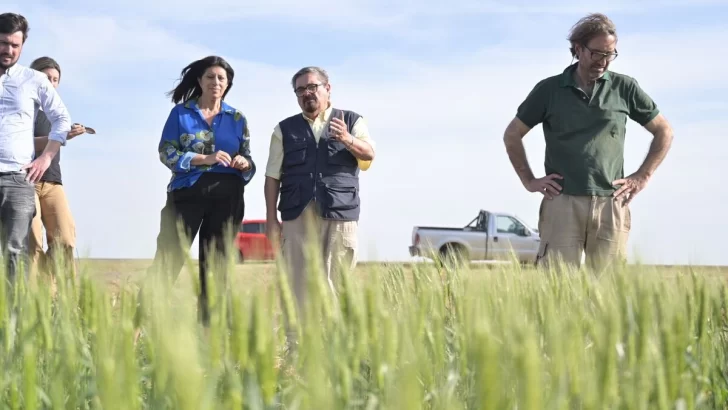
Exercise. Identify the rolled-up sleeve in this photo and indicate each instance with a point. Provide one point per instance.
(55, 110)
(275, 154)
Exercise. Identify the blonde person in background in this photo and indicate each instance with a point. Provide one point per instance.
(52, 209)
(313, 164)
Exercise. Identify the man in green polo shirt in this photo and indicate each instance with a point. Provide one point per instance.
(584, 112)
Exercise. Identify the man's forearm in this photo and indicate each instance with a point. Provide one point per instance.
(52, 148)
(271, 188)
(40, 143)
(658, 150)
(517, 155)
(360, 149)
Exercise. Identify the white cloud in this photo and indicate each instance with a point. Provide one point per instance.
(438, 127)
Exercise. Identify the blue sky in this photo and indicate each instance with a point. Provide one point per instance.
(437, 81)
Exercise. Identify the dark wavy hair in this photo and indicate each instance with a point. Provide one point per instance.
(189, 86)
(11, 23)
(43, 63)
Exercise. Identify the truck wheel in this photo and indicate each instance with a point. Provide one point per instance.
(453, 255)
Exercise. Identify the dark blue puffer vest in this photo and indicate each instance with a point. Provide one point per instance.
(328, 173)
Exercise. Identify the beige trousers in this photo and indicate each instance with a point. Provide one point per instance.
(53, 212)
(334, 241)
(570, 226)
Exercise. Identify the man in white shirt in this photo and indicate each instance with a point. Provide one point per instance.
(21, 89)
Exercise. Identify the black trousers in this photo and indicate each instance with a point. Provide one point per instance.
(213, 207)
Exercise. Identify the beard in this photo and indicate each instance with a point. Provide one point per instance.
(5, 65)
(310, 104)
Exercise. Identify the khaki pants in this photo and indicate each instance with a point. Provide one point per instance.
(53, 212)
(335, 240)
(596, 226)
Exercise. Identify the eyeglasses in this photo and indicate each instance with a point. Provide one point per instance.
(300, 91)
(598, 55)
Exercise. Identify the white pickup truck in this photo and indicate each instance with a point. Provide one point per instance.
(488, 237)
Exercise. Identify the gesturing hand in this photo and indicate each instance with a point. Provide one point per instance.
(338, 130)
(220, 157)
(630, 186)
(546, 185)
(240, 163)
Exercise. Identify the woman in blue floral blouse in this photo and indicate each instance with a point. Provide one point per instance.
(206, 144)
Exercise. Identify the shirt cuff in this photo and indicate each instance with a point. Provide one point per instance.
(59, 136)
(185, 161)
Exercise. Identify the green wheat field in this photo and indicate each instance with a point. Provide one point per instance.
(419, 336)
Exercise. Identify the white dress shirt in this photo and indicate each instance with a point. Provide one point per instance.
(22, 90)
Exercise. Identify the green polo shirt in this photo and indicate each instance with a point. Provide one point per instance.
(585, 136)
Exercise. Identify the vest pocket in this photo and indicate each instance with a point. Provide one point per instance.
(340, 198)
(339, 155)
(290, 197)
(294, 154)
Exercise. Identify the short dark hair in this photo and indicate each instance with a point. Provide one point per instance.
(44, 63)
(320, 72)
(11, 23)
(189, 87)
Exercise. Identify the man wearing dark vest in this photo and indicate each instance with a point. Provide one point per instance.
(584, 111)
(314, 162)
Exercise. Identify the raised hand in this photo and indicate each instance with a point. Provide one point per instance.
(338, 130)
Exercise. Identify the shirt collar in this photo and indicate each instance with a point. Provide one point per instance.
(567, 76)
(224, 107)
(13, 70)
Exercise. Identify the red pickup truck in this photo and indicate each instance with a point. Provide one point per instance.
(252, 241)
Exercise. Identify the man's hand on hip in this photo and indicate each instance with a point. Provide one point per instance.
(629, 187)
(546, 185)
(37, 168)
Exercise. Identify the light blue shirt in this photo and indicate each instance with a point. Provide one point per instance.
(22, 91)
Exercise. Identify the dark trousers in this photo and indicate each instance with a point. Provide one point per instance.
(17, 209)
(213, 207)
